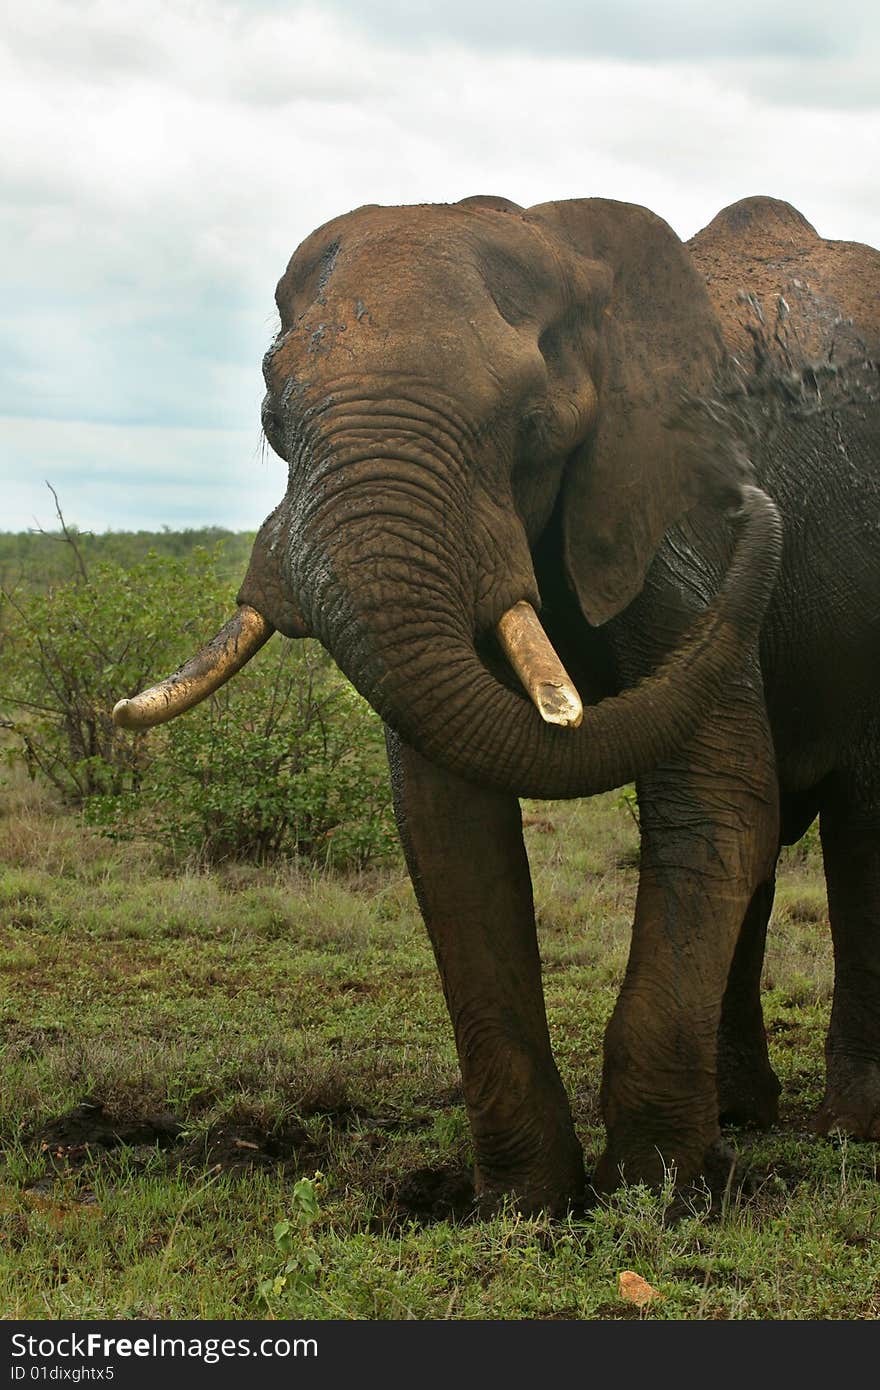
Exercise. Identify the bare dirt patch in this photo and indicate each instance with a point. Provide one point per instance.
(430, 1195)
(87, 1136)
(70, 1138)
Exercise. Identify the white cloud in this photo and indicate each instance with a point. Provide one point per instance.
(166, 157)
(136, 479)
(696, 30)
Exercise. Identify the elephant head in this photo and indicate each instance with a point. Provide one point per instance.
(448, 380)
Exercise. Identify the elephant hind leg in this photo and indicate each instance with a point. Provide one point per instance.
(748, 1088)
(850, 830)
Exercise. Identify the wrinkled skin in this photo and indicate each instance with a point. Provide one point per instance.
(474, 404)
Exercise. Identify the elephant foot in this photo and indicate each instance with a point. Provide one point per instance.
(717, 1169)
(453, 1194)
(852, 1098)
(723, 1177)
(854, 1113)
(834, 1116)
(723, 1171)
(554, 1190)
(748, 1096)
(491, 1202)
(529, 1196)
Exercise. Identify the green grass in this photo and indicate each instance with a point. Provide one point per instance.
(243, 1029)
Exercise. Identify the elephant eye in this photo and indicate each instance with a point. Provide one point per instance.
(509, 304)
(567, 340)
(509, 284)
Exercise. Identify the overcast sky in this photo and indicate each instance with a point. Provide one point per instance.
(161, 159)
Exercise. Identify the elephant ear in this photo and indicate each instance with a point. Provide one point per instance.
(637, 474)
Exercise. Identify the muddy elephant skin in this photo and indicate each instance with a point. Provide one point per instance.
(670, 452)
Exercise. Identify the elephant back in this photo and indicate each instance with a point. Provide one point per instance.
(762, 248)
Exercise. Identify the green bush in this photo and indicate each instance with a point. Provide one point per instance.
(284, 760)
(71, 652)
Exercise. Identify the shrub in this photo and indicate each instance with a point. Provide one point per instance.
(70, 653)
(286, 759)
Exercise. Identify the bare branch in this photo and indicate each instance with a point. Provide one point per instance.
(66, 534)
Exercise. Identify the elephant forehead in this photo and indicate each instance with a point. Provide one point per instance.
(392, 252)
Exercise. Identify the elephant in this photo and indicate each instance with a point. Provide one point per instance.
(490, 413)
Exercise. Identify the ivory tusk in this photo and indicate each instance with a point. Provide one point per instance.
(234, 645)
(527, 648)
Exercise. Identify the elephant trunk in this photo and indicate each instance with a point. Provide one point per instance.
(415, 661)
(403, 632)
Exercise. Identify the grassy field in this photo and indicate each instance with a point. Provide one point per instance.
(183, 1056)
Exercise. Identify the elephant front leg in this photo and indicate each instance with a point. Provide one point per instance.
(709, 836)
(465, 853)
